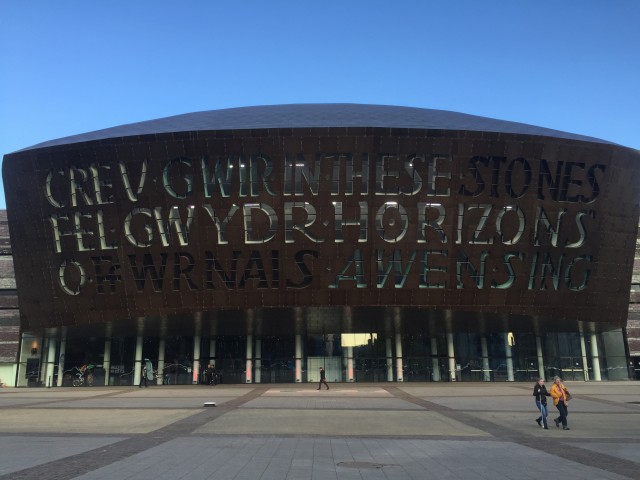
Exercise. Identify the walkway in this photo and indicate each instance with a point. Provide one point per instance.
(352, 431)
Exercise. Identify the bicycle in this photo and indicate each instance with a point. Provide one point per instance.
(83, 376)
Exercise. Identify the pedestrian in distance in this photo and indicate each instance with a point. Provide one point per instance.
(323, 379)
(143, 377)
(561, 399)
(213, 377)
(541, 394)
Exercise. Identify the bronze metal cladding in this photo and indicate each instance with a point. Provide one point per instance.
(196, 221)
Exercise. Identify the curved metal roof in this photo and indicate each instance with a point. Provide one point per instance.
(316, 115)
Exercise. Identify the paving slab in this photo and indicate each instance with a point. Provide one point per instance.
(140, 403)
(338, 390)
(434, 390)
(526, 403)
(334, 403)
(336, 422)
(20, 452)
(364, 431)
(582, 425)
(181, 391)
(628, 451)
(19, 402)
(98, 421)
(326, 458)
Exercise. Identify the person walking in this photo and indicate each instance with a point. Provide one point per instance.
(213, 379)
(323, 379)
(541, 394)
(143, 377)
(560, 396)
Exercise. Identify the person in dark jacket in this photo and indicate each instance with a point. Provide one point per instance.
(143, 376)
(323, 379)
(541, 394)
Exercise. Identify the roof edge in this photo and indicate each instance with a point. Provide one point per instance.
(315, 115)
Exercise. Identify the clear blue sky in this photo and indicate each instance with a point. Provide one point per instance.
(69, 67)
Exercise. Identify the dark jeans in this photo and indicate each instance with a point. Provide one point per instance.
(542, 408)
(562, 408)
(322, 380)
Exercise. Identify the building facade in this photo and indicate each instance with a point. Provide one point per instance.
(9, 313)
(380, 243)
(633, 322)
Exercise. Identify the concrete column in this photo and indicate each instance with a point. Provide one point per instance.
(595, 359)
(486, 371)
(399, 358)
(509, 358)
(540, 357)
(452, 357)
(196, 360)
(298, 315)
(63, 347)
(257, 375)
(388, 333)
(137, 365)
(212, 350)
(389, 359)
(213, 339)
(250, 323)
(51, 360)
(162, 343)
(583, 352)
(298, 358)
(249, 364)
(349, 354)
(196, 348)
(161, 348)
(435, 363)
(42, 353)
(106, 362)
(397, 326)
(44, 360)
(106, 358)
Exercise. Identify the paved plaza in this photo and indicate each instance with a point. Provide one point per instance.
(352, 431)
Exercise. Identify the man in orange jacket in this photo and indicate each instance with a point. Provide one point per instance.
(560, 400)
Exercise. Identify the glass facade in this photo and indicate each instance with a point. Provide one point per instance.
(377, 356)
